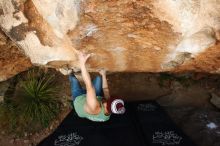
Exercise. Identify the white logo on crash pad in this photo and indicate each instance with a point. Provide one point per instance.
(71, 139)
(166, 138)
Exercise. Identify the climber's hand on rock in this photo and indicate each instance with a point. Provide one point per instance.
(83, 57)
(102, 72)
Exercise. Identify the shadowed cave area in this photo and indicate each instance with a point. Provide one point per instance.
(190, 99)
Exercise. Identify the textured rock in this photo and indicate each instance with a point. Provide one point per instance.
(12, 60)
(195, 123)
(190, 46)
(215, 100)
(3, 88)
(124, 35)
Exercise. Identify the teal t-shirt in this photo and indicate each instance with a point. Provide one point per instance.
(79, 108)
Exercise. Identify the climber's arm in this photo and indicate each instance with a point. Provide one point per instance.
(91, 100)
(105, 84)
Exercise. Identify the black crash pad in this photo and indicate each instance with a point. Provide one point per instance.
(144, 124)
(157, 127)
(73, 131)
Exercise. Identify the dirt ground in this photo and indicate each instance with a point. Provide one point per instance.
(186, 97)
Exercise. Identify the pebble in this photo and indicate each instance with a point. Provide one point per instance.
(215, 100)
(157, 48)
(3, 132)
(25, 134)
(12, 141)
(26, 141)
(51, 127)
(1, 98)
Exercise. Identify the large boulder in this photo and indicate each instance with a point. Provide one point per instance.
(123, 35)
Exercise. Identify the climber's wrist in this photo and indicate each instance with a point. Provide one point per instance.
(82, 64)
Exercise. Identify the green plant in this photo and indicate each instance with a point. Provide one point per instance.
(34, 103)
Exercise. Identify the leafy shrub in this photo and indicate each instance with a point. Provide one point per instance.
(33, 103)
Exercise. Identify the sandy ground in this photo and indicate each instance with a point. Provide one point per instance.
(185, 97)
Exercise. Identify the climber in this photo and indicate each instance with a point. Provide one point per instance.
(90, 103)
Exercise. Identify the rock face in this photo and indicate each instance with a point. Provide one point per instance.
(124, 35)
(12, 60)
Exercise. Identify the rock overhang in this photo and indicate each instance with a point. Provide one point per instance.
(124, 36)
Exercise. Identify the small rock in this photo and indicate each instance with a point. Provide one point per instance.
(215, 100)
(37, 134)
(12, 141)
(25, 134)
(1, 98)
(157, 48)
(51, 127)
(64, 104)
(26, 141)
(2, 132)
